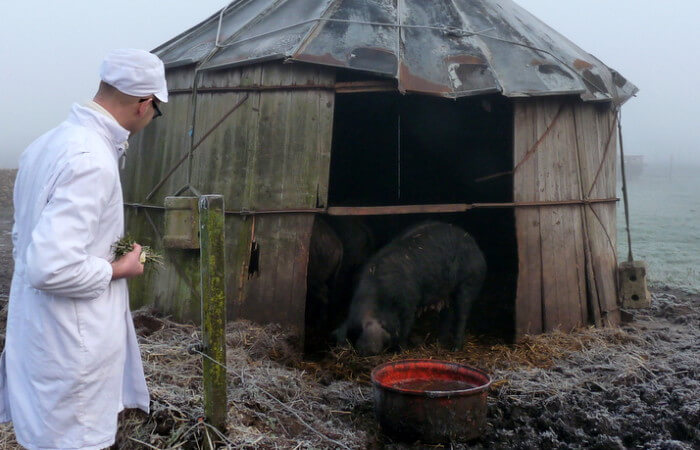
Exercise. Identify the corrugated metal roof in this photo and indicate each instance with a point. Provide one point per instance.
(452, 48)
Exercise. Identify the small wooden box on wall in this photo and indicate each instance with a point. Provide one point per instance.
(181, 223)
(633, 285)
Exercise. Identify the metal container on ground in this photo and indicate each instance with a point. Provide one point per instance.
(431, 401)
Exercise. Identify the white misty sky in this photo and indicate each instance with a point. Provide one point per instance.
(50, 53)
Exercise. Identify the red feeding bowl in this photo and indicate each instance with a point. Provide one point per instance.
(431, 401)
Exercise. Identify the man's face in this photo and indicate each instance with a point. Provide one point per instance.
(147, 111)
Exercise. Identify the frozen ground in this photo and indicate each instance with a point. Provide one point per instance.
(635, 387)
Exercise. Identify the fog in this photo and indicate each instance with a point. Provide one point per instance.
(51, 52)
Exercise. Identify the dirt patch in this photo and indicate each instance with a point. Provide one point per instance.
(7, 179)
(7, 182)
(632, 387)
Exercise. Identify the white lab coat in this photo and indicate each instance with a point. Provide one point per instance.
(71, 360)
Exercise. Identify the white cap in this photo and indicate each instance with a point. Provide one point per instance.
(135, 72)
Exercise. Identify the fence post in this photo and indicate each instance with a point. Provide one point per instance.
(212, 266)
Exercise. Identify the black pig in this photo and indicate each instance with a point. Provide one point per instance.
(432, 265)
(339, 247)
(358, 246)
(325, 258)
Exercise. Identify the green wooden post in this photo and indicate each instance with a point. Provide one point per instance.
(212, 264)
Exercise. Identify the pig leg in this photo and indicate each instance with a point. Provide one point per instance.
(446, 324)
(405, 332)
(462, 303)
(406, 320)
(322, 293)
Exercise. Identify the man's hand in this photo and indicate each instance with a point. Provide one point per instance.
(129, 265)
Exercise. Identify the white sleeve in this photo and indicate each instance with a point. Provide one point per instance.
(57, 257)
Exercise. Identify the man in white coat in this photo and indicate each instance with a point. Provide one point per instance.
(71, 360)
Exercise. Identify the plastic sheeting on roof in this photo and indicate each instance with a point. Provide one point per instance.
(452, 48)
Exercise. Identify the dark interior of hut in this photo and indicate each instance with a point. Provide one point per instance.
(392, 149)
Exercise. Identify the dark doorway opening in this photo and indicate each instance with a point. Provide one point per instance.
(391, 149)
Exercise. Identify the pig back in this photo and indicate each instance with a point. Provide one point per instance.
(429, 260)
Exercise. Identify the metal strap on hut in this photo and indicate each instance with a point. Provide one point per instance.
(400, 209)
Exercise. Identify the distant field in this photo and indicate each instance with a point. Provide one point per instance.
(665, 225)
(7, 181)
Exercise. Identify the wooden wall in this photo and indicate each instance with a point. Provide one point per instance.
(567, 258)
(273, 152)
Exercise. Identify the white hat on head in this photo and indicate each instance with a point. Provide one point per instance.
(135, 72)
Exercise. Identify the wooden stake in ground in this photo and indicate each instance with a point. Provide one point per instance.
(212, 264)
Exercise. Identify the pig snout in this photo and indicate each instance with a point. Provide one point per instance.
(368, 339)
(373, 340)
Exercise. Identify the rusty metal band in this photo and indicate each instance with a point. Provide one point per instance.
(401, 209)
(340, 87)
(291, 87)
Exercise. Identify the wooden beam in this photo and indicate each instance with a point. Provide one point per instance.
(343, 87)
(445, 208)
(403, 209)
(351, 87)
(212, 263)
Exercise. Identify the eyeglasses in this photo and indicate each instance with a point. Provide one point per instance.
(156, 111)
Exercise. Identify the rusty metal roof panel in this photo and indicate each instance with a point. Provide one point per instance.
(451, 48)
(195, 44)
(276, 33)
(441, 58)
(353, 35)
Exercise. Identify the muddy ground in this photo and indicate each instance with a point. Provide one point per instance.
(634, 387)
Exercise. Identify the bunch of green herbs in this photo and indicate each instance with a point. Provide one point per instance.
(149, 257)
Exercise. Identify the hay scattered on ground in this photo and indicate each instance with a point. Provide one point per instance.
(605, 388)
(271, 403)
(594, 388)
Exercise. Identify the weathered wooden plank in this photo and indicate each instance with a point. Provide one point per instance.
(271, 153)
(550, 239)
(238, 250)
(245, 145)
(245, 140)
(174, 289)
(269, 174)
(300, 179)
(563, 274)
(277, 292)
(322, 168)
(266, 182)
(180, 78)
(594, 131)
(153, 151)
(178, 279)
(554, 175)
(572, 231)
(528, 301)
(605, 251)
(587, 138)
(288, 168)
(223, 167)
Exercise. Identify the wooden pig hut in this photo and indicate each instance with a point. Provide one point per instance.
(469, 111)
